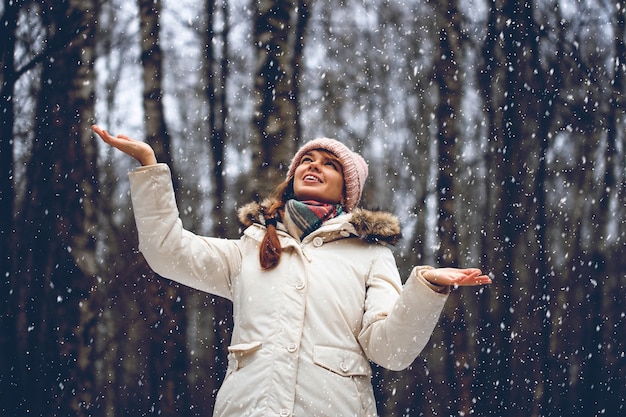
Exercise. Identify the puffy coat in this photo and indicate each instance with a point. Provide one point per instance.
(305, 331)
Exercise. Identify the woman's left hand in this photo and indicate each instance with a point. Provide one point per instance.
(141, 151)
(456, 276)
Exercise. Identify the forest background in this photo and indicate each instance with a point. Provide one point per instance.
(493, 128)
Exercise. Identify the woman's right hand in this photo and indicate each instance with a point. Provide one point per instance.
(141, 151)
(456, 276)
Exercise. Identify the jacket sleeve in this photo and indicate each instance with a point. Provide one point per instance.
(207, 264)
(398, 322)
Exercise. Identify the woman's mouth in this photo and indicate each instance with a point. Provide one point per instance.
(310, 178)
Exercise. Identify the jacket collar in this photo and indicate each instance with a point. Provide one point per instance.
(373, 226)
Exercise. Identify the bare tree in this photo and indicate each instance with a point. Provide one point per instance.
(547, 84)
(608, 213)
(56, 265)
(216, 68)
(8, 305)
(491, 82)
(448, 78)
(152, 64)
(167, 355)
(276, 116)
(216, 73)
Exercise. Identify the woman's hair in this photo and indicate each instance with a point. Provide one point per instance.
(270, 250)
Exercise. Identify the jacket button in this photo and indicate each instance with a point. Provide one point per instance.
(284, 413)
(299, 285)
(292, 347)
(343, 367)
(344, 233)
(318, 241)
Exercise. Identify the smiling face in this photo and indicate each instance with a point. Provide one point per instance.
(319, 177)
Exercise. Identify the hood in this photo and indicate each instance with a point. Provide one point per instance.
(373, 226)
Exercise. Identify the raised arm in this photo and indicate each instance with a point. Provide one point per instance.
(141, 151)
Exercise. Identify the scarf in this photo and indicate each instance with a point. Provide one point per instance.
(303, 217)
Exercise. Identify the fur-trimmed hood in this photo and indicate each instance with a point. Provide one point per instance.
(373, 226)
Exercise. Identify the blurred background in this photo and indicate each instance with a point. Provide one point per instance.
(493, 128)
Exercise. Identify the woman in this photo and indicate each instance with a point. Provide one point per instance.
(315, 289)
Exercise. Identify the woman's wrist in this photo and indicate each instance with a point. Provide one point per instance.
(428, 275)
(147, 157)
(148, 160)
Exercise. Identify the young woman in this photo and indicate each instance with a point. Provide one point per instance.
(315, 289)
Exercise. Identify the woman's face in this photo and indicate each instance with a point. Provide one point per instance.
(319, 177)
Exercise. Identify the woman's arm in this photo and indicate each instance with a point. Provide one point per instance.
(398, 320)
(207, 264)
(397, 324)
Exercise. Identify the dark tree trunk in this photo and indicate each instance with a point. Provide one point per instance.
(167, 359)
(448, 78)
(491, 80)
(8, 282)
(55, 261)
(216, 71)
(276, 114)
(614, 292)
(157, 134)
(547, 83)
(216, 74)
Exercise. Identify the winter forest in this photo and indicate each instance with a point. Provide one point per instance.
(494, 129)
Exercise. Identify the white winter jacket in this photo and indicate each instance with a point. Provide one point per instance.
(305, 331)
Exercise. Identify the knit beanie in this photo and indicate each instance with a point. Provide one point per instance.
(354, 167)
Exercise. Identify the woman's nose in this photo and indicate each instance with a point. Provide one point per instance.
(314, 165)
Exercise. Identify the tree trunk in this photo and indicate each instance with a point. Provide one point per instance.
(302, 18)
(8, 283)
(447, 76)
(491, 79)
(56, 264)
(157, 134)
(515, 163)
(275, 116)
(547, 84)
(167, 355)
(216, 73)
(216, 98)
(614, 292)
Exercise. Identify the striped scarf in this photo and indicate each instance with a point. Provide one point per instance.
(303, 217)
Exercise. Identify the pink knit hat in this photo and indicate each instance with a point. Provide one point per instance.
(354, 167)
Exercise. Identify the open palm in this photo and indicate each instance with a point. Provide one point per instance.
(141, 151)
(457, 276)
